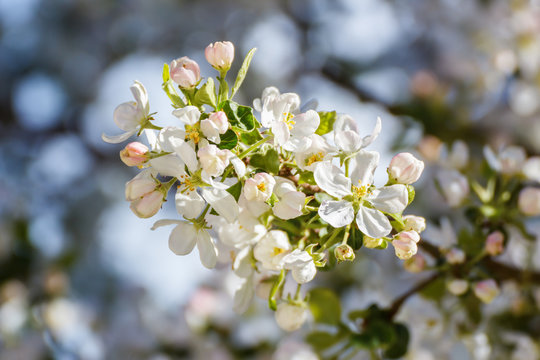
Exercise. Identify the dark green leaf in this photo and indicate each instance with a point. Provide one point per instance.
(306, 177)
(327, 122)
(398, 348)
(235, 190)
(228, 140)
(325, 306)
(241, 117)
(382, 331)
(243, 71)
(268, 160)
(355, 238)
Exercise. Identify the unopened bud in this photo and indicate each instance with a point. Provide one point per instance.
(415, 223)
(430, 148)
(457, 286)
(495, 243)
(529, 201)
(372, 243)
(140, 185)
(217, 123)
(134, 154)
(486, 290)
(290, 317)
(220, 54)
(415, 264)
(405, 168)
(185, 72)
(148, 205)
(455, 256)
(344, 253)
(405, 244)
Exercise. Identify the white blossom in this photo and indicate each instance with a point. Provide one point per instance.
(301, 265)
(291, 202)
(290, 317)
(272, 249)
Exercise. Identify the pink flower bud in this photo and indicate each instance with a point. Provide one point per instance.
(415, 223)
(457, 286)
(405, 244)
(415, 264)
(148, 205)
(134, 154)
(140, 185)
(220, 54)
(495, 243)
(185, 72)
(455, 256)
(486, 290)
(219, 119)
(405, 168)
(529, 201)
(344, 253)
(430, 148)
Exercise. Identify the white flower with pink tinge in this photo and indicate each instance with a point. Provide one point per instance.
(357, 198)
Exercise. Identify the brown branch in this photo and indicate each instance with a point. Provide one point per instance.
(396, 305)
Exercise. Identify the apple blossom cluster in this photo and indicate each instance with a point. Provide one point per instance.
(497, 206)
(285, 192)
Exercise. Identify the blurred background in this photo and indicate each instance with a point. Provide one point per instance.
(81, 277)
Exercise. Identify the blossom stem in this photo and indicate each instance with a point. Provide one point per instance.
(330, 241)
(346, 235)
(297, 294)
(275, 288)
(203, 214)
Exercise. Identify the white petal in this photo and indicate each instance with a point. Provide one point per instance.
(374, 134)
(223, 202)
(363, 167)
(115, 139)
(189, 204)
(348, 141)
(242, 263)
(168, 165)
(492, 159)
(345, 122)
(297, 144)
(531, 169)
(391, 199)
(189, 114)
(183, 238)
(305, 124)
(239, 166)
(127, 117)
(337, 213)
(304, 274)
(373, 223)
(151, 137)
(243, 296)
(331, 179)
(165, 222)
(188, 155)
(141, 96)
(281, 132)
(207, 249)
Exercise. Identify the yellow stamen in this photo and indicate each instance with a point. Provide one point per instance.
(277, 251)
(288, 120)
(261, 187)
(314, 158)
(361, 190)
(193, 134)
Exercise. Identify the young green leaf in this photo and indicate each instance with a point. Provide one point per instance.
(267, 160)
(241, 117)
(206, 94)
(243, 71)
(168, 87)
(228, 140)
(327, 122)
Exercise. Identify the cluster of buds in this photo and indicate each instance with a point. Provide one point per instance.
(283, 192)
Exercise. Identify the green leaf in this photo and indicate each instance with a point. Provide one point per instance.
(168, 87)
(235, 190)
(327, 122)
(355, 238)
(382, 331)
(268, 160)
(398, 348)
(321, 341)
(228, 140)
(243, 71)
(206, 94)
(250, 138)
(241, 117)
(434, 291)
(412, 193)
(306, 177)
(325, 306)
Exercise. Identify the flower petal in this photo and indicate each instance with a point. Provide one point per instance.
(188, 204)
(374, 134)
(391, 199)
(127, 116)
(337, 213)
(281, 132)
(168, 165)
(363, 167)
(115, 139)
(207, 249)
(348, 141)
(373, 223)
(243, 296)
(188, 115)
(331, 179)
(183, 238)
(223, 202)
(305, 124)
(165, 222)
(141, 96)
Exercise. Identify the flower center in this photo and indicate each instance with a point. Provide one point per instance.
(190, 182)
(261, 187)
(314, 158)
(277, 251)
(360, 191)
(193, 134)
(288, 120)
